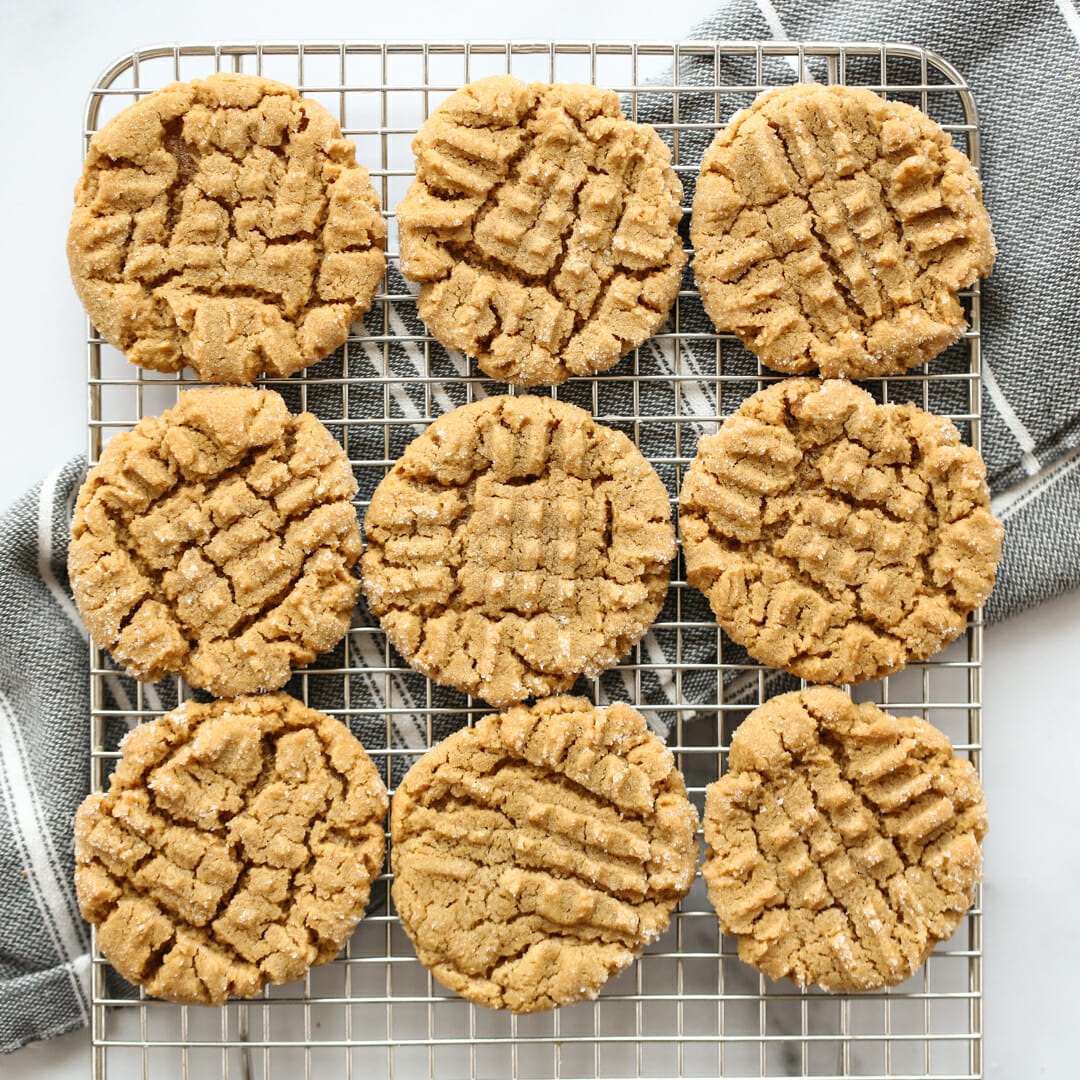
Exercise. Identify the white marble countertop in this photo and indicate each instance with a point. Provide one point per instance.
(1031, 725)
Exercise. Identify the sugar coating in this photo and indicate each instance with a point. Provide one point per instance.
(515, 545)
(218, 541)
(833, 229)
(836, 538)
(236, 846)
(543, 226)
(224, 224)
(535, 855)
(842, 843)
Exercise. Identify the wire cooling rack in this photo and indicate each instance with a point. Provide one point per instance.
(689, 1007)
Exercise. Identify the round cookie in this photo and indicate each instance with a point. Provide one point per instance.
(836, 538)
(833, 229)
(842, 843)
(516, 545)
(543, 228)
(235, 847)
(218, 541)
(224, 224)
(537, 854)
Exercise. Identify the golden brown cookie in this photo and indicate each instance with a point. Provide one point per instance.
(836, 538)
(218, 541)
(543, 226)
(236, 846)
(842, 843)
(538, 853)
(516, 545)
(224, 224)
(833, 229)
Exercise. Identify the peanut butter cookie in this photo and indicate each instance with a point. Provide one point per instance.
(542, 226)
(833, 229)
(842, 843)
(836, 538)
(516, 545)
(538, 853)
(218, 541)
(236, 846)
(224, 224)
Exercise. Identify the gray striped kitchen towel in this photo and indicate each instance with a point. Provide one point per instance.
(1022, 60)
(44, 714)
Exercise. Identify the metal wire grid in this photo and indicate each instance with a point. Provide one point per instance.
(689, 1007)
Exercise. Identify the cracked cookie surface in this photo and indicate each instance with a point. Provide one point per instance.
(543, 227)
(836, 538)
(516, 545)
(236, 846)
(842, 843)
(224, 224)
(218, 541)
(833, 230)
(537, 854)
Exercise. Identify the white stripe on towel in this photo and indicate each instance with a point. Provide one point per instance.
(1012, 421)
(1070, 15)
(39, 857)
